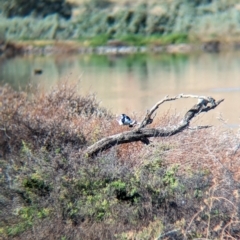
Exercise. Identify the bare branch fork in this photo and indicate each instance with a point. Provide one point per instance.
(140, 133)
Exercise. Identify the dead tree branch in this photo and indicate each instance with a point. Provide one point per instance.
(140, 133)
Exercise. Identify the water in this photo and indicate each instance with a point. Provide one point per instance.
(134, 83)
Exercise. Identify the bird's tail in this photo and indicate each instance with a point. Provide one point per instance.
(133, 123)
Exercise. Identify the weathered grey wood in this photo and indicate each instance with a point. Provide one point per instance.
(142, 134)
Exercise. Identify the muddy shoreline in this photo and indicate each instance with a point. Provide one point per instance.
(11, 49)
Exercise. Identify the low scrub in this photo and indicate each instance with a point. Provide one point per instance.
(99, 21)
(180, 187)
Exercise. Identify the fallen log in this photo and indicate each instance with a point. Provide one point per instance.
(140, 133)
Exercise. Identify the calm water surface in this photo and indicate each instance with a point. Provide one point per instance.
(134, 83)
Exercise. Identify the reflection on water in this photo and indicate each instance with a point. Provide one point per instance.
(134, 83)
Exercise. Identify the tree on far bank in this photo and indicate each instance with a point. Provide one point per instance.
(41, 8)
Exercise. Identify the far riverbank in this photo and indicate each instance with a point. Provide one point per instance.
(38, 47)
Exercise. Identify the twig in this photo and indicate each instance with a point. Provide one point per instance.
(227, 225)
(194, 216)
(199, 127)
(223, 198)
(5, 131)
(147, 119)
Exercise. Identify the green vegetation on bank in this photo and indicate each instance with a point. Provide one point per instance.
(97, 22)
(136, 40)
(50, 190)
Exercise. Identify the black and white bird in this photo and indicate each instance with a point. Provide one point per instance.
(126, 120)
(202, 101)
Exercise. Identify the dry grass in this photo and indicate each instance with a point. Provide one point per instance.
(180, 187)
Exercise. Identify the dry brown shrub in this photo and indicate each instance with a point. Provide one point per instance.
(52, 129)
(50, 120)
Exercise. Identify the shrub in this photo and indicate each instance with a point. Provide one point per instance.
(49, 189)
(199, 19)
(42, 8)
